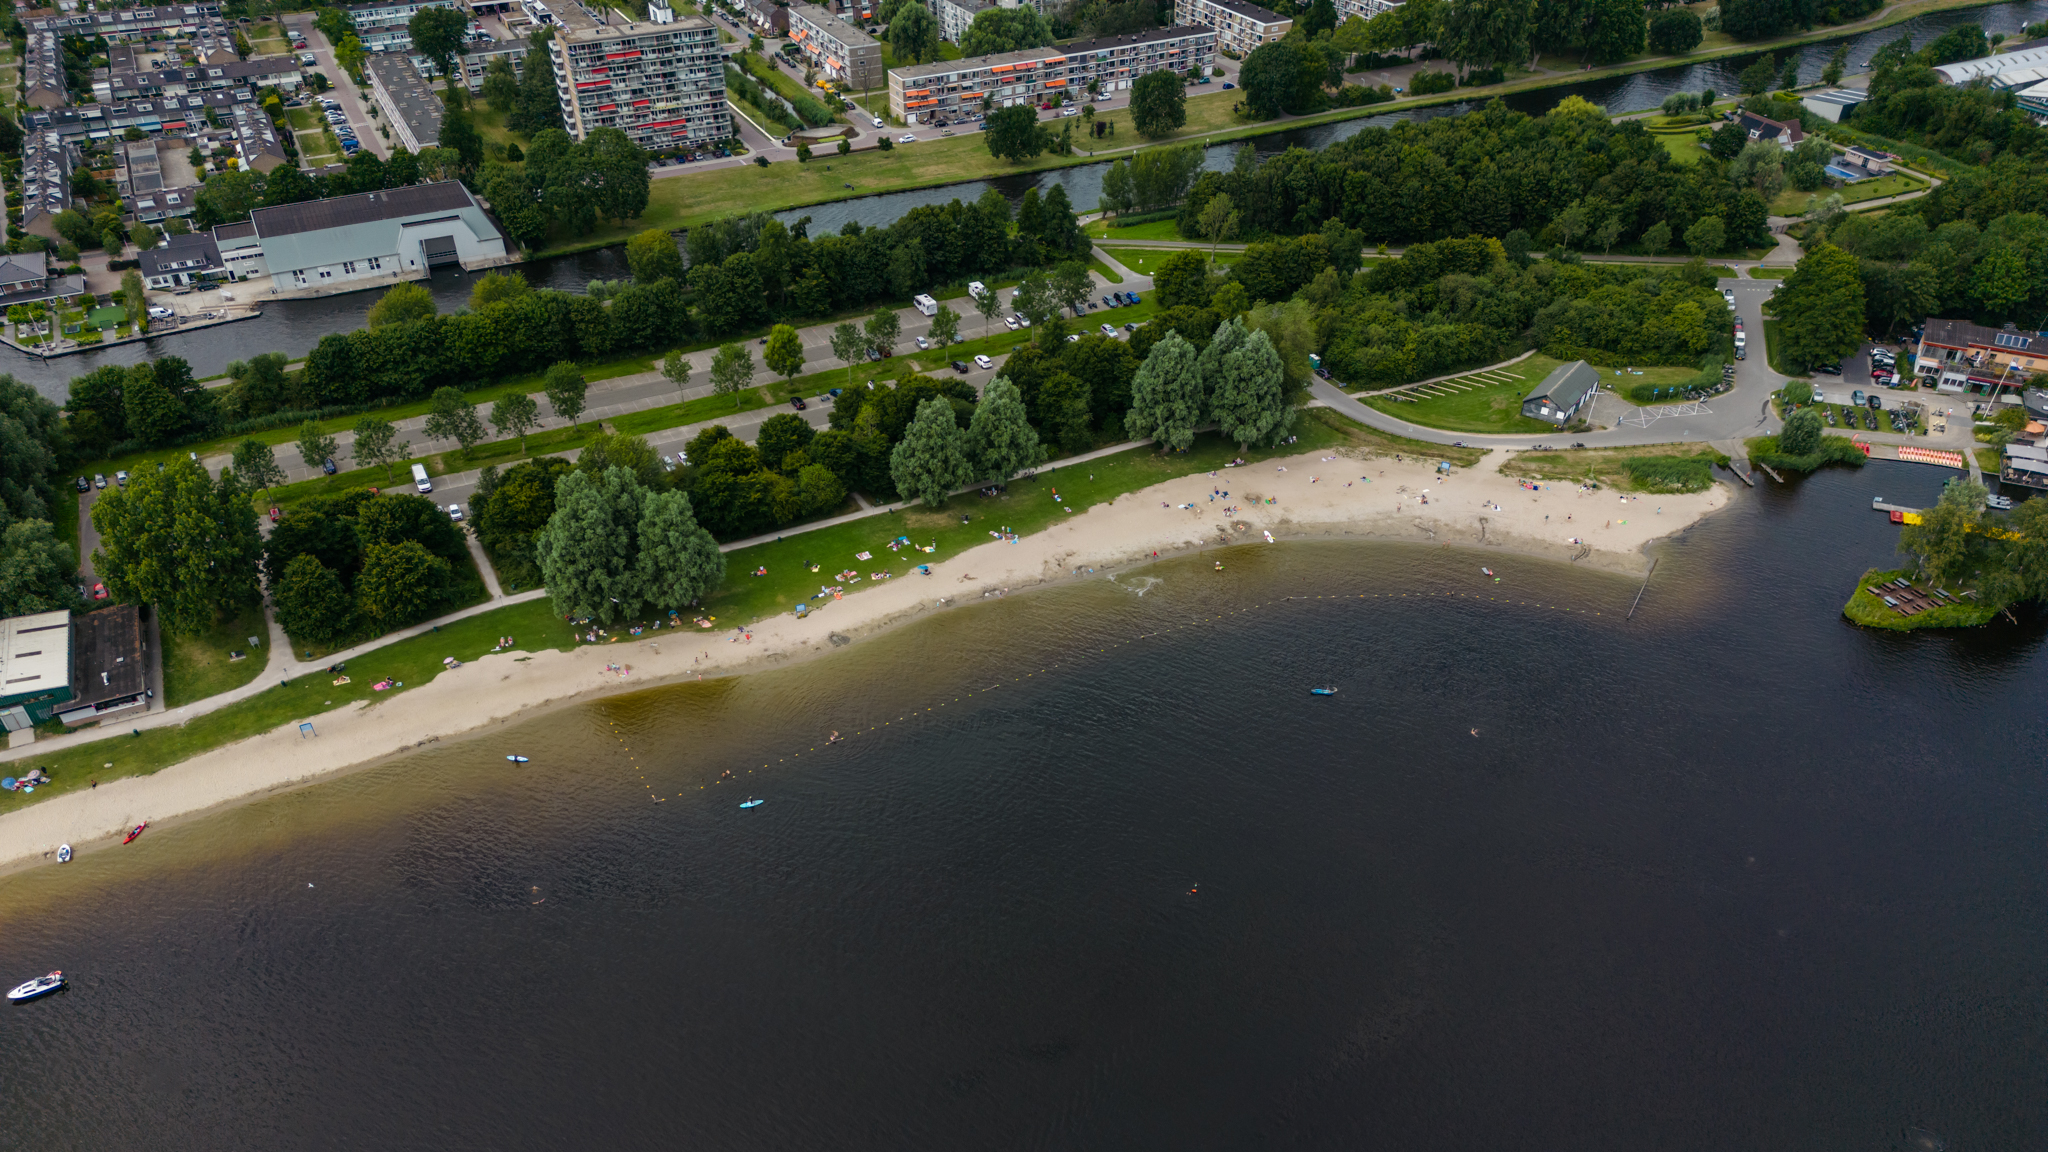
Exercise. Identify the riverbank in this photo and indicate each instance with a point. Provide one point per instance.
(1333, 494)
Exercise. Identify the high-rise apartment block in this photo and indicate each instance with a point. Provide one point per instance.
(663, 85)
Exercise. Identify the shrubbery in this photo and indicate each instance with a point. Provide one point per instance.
(1670, 473)
(1429, 82)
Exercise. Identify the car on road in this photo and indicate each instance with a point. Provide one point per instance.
(945, 131)
(960, 366)
(1109, 330)
(1010, 322)
(878, 121)
(1828, 369)
(121, 478)
(455, 511)
(99, 591)
(907, 138)
(983, 362)
(668, 462)
(159, 312)
(99, 480)
(797, 402)
(310, 60)
(1856, 398)
(1728, 294)
(328, 467)
(1070, 111)
(923, 344)
(84, 485)
(1227, 86)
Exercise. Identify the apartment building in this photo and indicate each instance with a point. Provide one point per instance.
(261, 72)
(1364, 9)
(1240, 27)
(1958, 356)
(661, 84)
(386, 14)
(131, 23)
(410, 107)
(839, 50)
(477, 58)
(167, 115)
(951, 89)
(955, 16)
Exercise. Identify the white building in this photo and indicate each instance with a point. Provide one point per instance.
(663, 85)
(1986, 67)
(955, 16)
(371, 237)
(1240, 27)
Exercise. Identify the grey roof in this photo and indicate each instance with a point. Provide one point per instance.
(1840, 96)
(239, 230)
(1076, 48)
(410, 97)
(1566, 385)
(1251, 11)
(829, 24)
(178, 250)
(362, 208)
(17, 267)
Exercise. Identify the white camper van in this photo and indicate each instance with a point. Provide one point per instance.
(926, 305)
(419, 478)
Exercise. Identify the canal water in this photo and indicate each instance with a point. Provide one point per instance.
(1731, 874)
(294, 326)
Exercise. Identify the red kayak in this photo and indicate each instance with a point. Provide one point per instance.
(136, 831)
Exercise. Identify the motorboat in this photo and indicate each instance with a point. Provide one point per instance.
(40, 986)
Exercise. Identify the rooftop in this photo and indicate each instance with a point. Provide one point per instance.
(1251, 11)
(833, 26)
(361, 208)
(410, 97)
(106, 655)
(1566, 384)
(1058, 52)
(35, 653)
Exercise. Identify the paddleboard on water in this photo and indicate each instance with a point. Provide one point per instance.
(516, 759)
(1324, 691)
(63, 853)
(750, 803)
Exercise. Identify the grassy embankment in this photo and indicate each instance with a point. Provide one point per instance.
(1871, 612)
(413, 662)
(1485, 401)
(1145, 261)
(741, 598)
(1644, 468)
(196, 667)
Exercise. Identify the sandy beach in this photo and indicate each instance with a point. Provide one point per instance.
(1316, 495)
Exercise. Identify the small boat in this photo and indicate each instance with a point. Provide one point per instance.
(1488, 571)
(134, 832)
(63, 853)
(40, 986)
(750, 803)
(516, 759)
(1324, 691)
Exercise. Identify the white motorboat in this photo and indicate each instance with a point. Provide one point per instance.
(63, 853)
(40, 986)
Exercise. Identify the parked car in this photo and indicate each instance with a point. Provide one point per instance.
(797, 402)
(159, 312)
(1106, 303)
(328, 467)
(984, 362)
(1010, 322)
(1132, 327)
(84, 485)
(960, 366)
(99, 591)
(668, 462)
(975, 288)
(1227, 86)
(923, 343)
(945, 131)
(878, 121)
(907, 138)
(275, 515)
(1135, 298)
(1109, 330)
(455, 511)
(1024, 320)
(1070, 111)
(121, 478)
(1856, 397)
(1828, 369)
(310, 60)
(99, 480)
(1118, 297)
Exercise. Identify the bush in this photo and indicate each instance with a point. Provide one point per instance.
(1358, 95)
(1670, 473)
(1429, 83)
(1832, 450)
(1479, 76)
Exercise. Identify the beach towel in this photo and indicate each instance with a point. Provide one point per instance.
(863, 555)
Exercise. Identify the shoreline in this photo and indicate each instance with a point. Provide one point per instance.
(1346, 494)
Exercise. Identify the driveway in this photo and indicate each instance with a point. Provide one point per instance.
(344, 90)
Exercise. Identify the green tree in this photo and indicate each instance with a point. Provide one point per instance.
(1819, 309)
(377, 443)
(652, 255)
(495, 287)
(1247, 394)
(1271, 80)
(1675, 31)
(256, 464)
(945, 327)
(914, 36)
(1614, 30)
(1000, 439)
(997, 30)
(990, 305)
(315, 447)
(1706, 236)
(515, 414)
(1942, 542)
(440, 34)
(565, 389)
(1656, 238)
(819, 489)
(313, 606)
(401, 584)
(1182, 279)
(675, 368)
(1218, 221)
(1801, 434)
(404, 302)
(501, 86)
(37, 571)
(454, 418)
(882, 330)
(1159, 104)
(589, 551)
(1999, 281)
(1483, 33)
(1756, 79)
(180, 540)
(678, 560)
(850, 344)
(1013, 133)
(785, 352)
(781, 435)
(1166, 395)
(1832, 74)
(732, 369)
(931, 459)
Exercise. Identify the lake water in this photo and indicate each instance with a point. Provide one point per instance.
(1733, 874)
(294, 326)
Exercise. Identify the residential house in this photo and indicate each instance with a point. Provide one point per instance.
(1785, 134)
(767, 17)
(46, 165)
(1958, 356)
(181, 261)
(1561, 395)
(256, 143)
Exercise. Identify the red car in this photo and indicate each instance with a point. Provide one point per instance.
(275, 515)
(99, 591)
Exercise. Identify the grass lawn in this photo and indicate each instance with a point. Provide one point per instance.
(1028, 506)
(1105, 271)
(1792, 202)
(1609, 466)
(412, 662)
(1684, 149)
(1167, 229)
(1871, 612)
(64, 510)
(1489, 403)
(1144, 261)
(1762, 273)
(196, 667)
(303, 119)
(107, 317)
(316, 148)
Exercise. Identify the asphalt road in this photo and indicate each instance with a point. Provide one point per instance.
(344, 89)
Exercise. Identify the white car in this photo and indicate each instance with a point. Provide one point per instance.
(309, 60)
(1109, 330)
(923, 343)
(983, 362)
(1070, 111)
(907, 138)
(878, 121)
(159, 312)
(455, 511)
(1024, 320)
(1728, 294)
(1010, 322)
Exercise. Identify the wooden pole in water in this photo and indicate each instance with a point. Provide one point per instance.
(1639, 592)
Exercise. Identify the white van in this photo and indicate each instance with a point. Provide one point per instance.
(419, 478)
(926, 305)
(975, 288)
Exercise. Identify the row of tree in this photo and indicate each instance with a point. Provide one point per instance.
(36, 569)
(358, 565)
